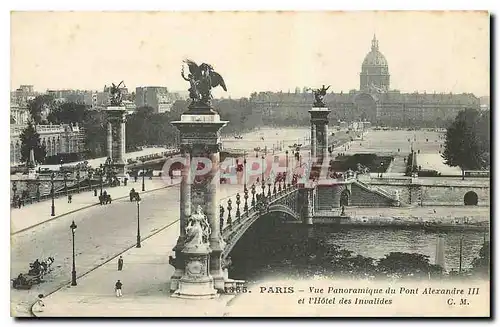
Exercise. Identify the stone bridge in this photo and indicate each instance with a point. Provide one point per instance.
(282, 198)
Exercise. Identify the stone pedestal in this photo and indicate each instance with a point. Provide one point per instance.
(319, 135)
(200, 144)
(306, 197)
(196, 282)
(116, 138)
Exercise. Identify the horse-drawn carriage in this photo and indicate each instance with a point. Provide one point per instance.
(34, 276)
(104, 199)
(134, 196)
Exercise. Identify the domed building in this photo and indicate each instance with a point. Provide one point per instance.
(374, 101)
(374, 70)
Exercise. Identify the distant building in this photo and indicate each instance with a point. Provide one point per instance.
(22, 95)
(129, 106)
(64, 138)
(374, 101)
(156, 97)
(18, 114)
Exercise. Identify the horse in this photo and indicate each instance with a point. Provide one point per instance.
(104, 199)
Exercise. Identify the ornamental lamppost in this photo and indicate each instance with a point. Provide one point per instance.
(263, 183)
(66, 184)
(38, 188)
(90, 174)
(101, 172)
(286, 172)
(78, 180)
(73, 272)
(245, 169)
(138, 245)
(53, 208)
(14, 189)
(143, 173)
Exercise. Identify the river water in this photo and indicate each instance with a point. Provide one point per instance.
(269, 247)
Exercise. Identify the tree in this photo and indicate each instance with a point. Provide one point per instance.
(67, 113)
(466, 146)
(94, 126)
(30, 139)
(38, 105)
(406, 264)
(481, 264)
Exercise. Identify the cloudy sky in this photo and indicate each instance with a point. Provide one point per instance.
(439, 51)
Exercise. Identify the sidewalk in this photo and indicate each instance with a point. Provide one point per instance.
(37, 213)
(145, 277)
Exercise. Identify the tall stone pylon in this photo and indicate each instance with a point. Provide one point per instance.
(198, 269)
(116, 118)
(319, 134)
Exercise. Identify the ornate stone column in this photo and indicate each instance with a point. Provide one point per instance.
(201, 267)
(184, 214)
(109, 140)
(313, 140)
(116, 138)
(319, 124)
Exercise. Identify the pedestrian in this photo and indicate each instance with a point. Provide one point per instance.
(95, 192)
(70, 198)
(118, 288)
(120, 263)
(39, 305)
(125, 181)
(19, 203)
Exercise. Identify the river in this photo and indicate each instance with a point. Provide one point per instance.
(270, 248)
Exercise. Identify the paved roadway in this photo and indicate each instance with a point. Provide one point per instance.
(102, 233)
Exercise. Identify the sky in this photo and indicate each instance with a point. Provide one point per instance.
(253, 51)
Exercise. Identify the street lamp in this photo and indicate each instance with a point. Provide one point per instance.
(14, 189)
(66, 184)
(143, 188)
(262, 177)
(78, 180)
(138, 245)
(286, 172)
(38, 188)
(101, 172)
(73, 272)
(244, 170)
(53, 209)
(90, 174)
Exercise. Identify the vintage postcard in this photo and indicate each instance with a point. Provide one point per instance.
(250, 164)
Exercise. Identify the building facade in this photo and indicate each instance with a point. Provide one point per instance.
(156, 97)
(18, 114)
(374, 101)
(64, 138)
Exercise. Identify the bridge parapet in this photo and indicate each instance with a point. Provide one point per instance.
(284, 198)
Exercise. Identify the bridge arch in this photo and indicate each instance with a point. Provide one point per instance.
(470, 198)
(280, 208)
(276, 208)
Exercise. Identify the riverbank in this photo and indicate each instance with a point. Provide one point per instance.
(435, 218)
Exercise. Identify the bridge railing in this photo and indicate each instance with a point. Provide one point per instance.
(255, 199)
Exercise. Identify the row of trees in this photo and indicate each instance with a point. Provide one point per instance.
(467, 143)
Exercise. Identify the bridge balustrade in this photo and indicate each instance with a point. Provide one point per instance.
(259, 204)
